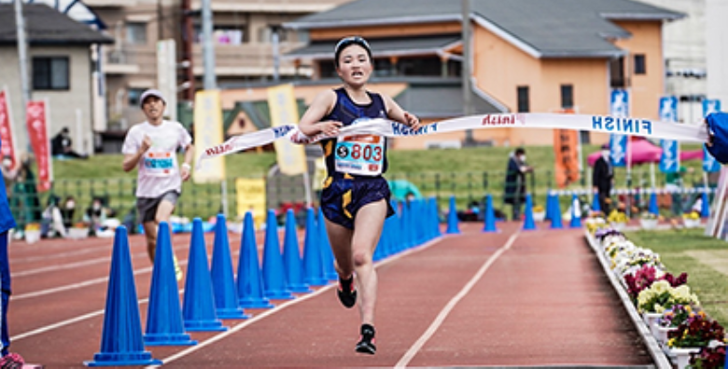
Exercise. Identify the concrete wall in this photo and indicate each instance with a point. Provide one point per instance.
(717, 51)
(64, 105)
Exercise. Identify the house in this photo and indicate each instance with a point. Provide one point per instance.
(60, 70)
(527, 55)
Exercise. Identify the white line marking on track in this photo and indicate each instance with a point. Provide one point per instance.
(417, 346)
(52, 268)
(278, 308)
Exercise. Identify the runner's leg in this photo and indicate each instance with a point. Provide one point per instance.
(367, 229)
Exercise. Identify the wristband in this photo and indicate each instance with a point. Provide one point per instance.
(186, 166)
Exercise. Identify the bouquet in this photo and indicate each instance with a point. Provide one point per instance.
(32, 227)
(697, 331)
(693, 215)
(617, 216)
(660, 296)
(538, 209)
(648, 216)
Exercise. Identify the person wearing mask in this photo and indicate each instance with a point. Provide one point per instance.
(603, 179)
(515, 184)
(61, 145)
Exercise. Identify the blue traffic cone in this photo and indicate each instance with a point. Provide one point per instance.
(528, 223)
(575, 213)
(223, 282)
(121, 340)
(435, 218)
(595, 203)
(489, 215)
(292, 256)
(452, 218)
(274, 279)
(164, 313)
(653, 204)
(313, 267)
(250, 278)
(556, 222)
(326, 252)
(704, 206)
(198, 309)
(550, 197)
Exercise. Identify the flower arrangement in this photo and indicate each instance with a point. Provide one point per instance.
(644, 277)
(80, 225)
(32, 227)
(660, 296)
(697, 331)
(594, 225)
(617, 216)
(538, 209)
(693, 215)
(709, 357)
(648, 216)
(678, 314)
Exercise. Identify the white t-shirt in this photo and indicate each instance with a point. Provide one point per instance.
(158, 169)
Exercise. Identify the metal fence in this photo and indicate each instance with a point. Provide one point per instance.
(206, 200)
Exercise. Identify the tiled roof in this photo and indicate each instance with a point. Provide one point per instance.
(46, 26)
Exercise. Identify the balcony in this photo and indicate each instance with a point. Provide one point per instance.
(270, 6)
(246, 60)
(129, 59)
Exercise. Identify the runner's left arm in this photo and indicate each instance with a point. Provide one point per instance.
(395, 112)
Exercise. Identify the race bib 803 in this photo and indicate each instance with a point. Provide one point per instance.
(361, 155)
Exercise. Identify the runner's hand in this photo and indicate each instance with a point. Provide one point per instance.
(184, 171)
(330, 127)
(412, 121)
(146, 144)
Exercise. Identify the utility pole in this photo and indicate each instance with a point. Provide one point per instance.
(187, 41)
(467, 89)
(160, 18)
(208, 48)
(23, 60)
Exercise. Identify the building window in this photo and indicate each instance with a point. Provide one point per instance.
(567, 96)
(134, 94)
(639, 64)
(523, 106)
(224, 34)
(136, 33)
(616, 73)
(50, 73)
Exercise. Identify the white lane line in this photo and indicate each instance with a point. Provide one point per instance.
(278, 308)
(417, 346)
(52, 268)
(30, 259)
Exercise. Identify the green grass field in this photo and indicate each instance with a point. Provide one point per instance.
(705, 259)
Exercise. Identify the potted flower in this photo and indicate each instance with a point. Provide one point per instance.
(78, 231)
(712, 356)
(32, 232)
(692, 335)
(617, 219)
(673, 317)
(691, 219)
(653, 301)
(648, 220)
(539, 213)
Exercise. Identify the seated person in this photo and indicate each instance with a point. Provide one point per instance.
(61, 145)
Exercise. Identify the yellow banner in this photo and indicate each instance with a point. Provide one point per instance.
(250, 196)
(283, 110)
(208, 133)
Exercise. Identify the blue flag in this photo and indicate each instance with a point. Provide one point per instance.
(618, 107)
(670, 159)
(710, 165)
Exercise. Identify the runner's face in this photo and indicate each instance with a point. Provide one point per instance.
(153, 107)
(354, 65)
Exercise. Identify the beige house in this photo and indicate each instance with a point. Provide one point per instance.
(243, 47)
(59, 67)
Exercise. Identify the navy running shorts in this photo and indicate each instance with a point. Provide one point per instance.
(343, 197)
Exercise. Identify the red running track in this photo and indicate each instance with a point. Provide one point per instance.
(530, 298)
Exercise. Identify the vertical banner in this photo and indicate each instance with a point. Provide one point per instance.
(710, 165)
(619, 107)
(566, 154)
(6, 128)
(670, 157)
(208, 133)
(283, 110)
(167, 76)
(36, 113)
(250, 196)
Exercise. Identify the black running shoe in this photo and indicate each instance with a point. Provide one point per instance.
(347, 292)
(366, 343)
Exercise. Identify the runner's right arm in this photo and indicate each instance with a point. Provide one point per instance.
(132, 160)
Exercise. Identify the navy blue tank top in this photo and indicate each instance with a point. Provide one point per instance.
(347, 111)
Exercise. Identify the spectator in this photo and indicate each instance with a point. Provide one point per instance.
(515, 186)
(61, 145)
(674, 184)
(52, 224)
(603, 179)
(67, 211)
(95, 216)
(10, 173)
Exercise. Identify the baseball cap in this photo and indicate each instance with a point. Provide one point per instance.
(347, 41)
(151, 92)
